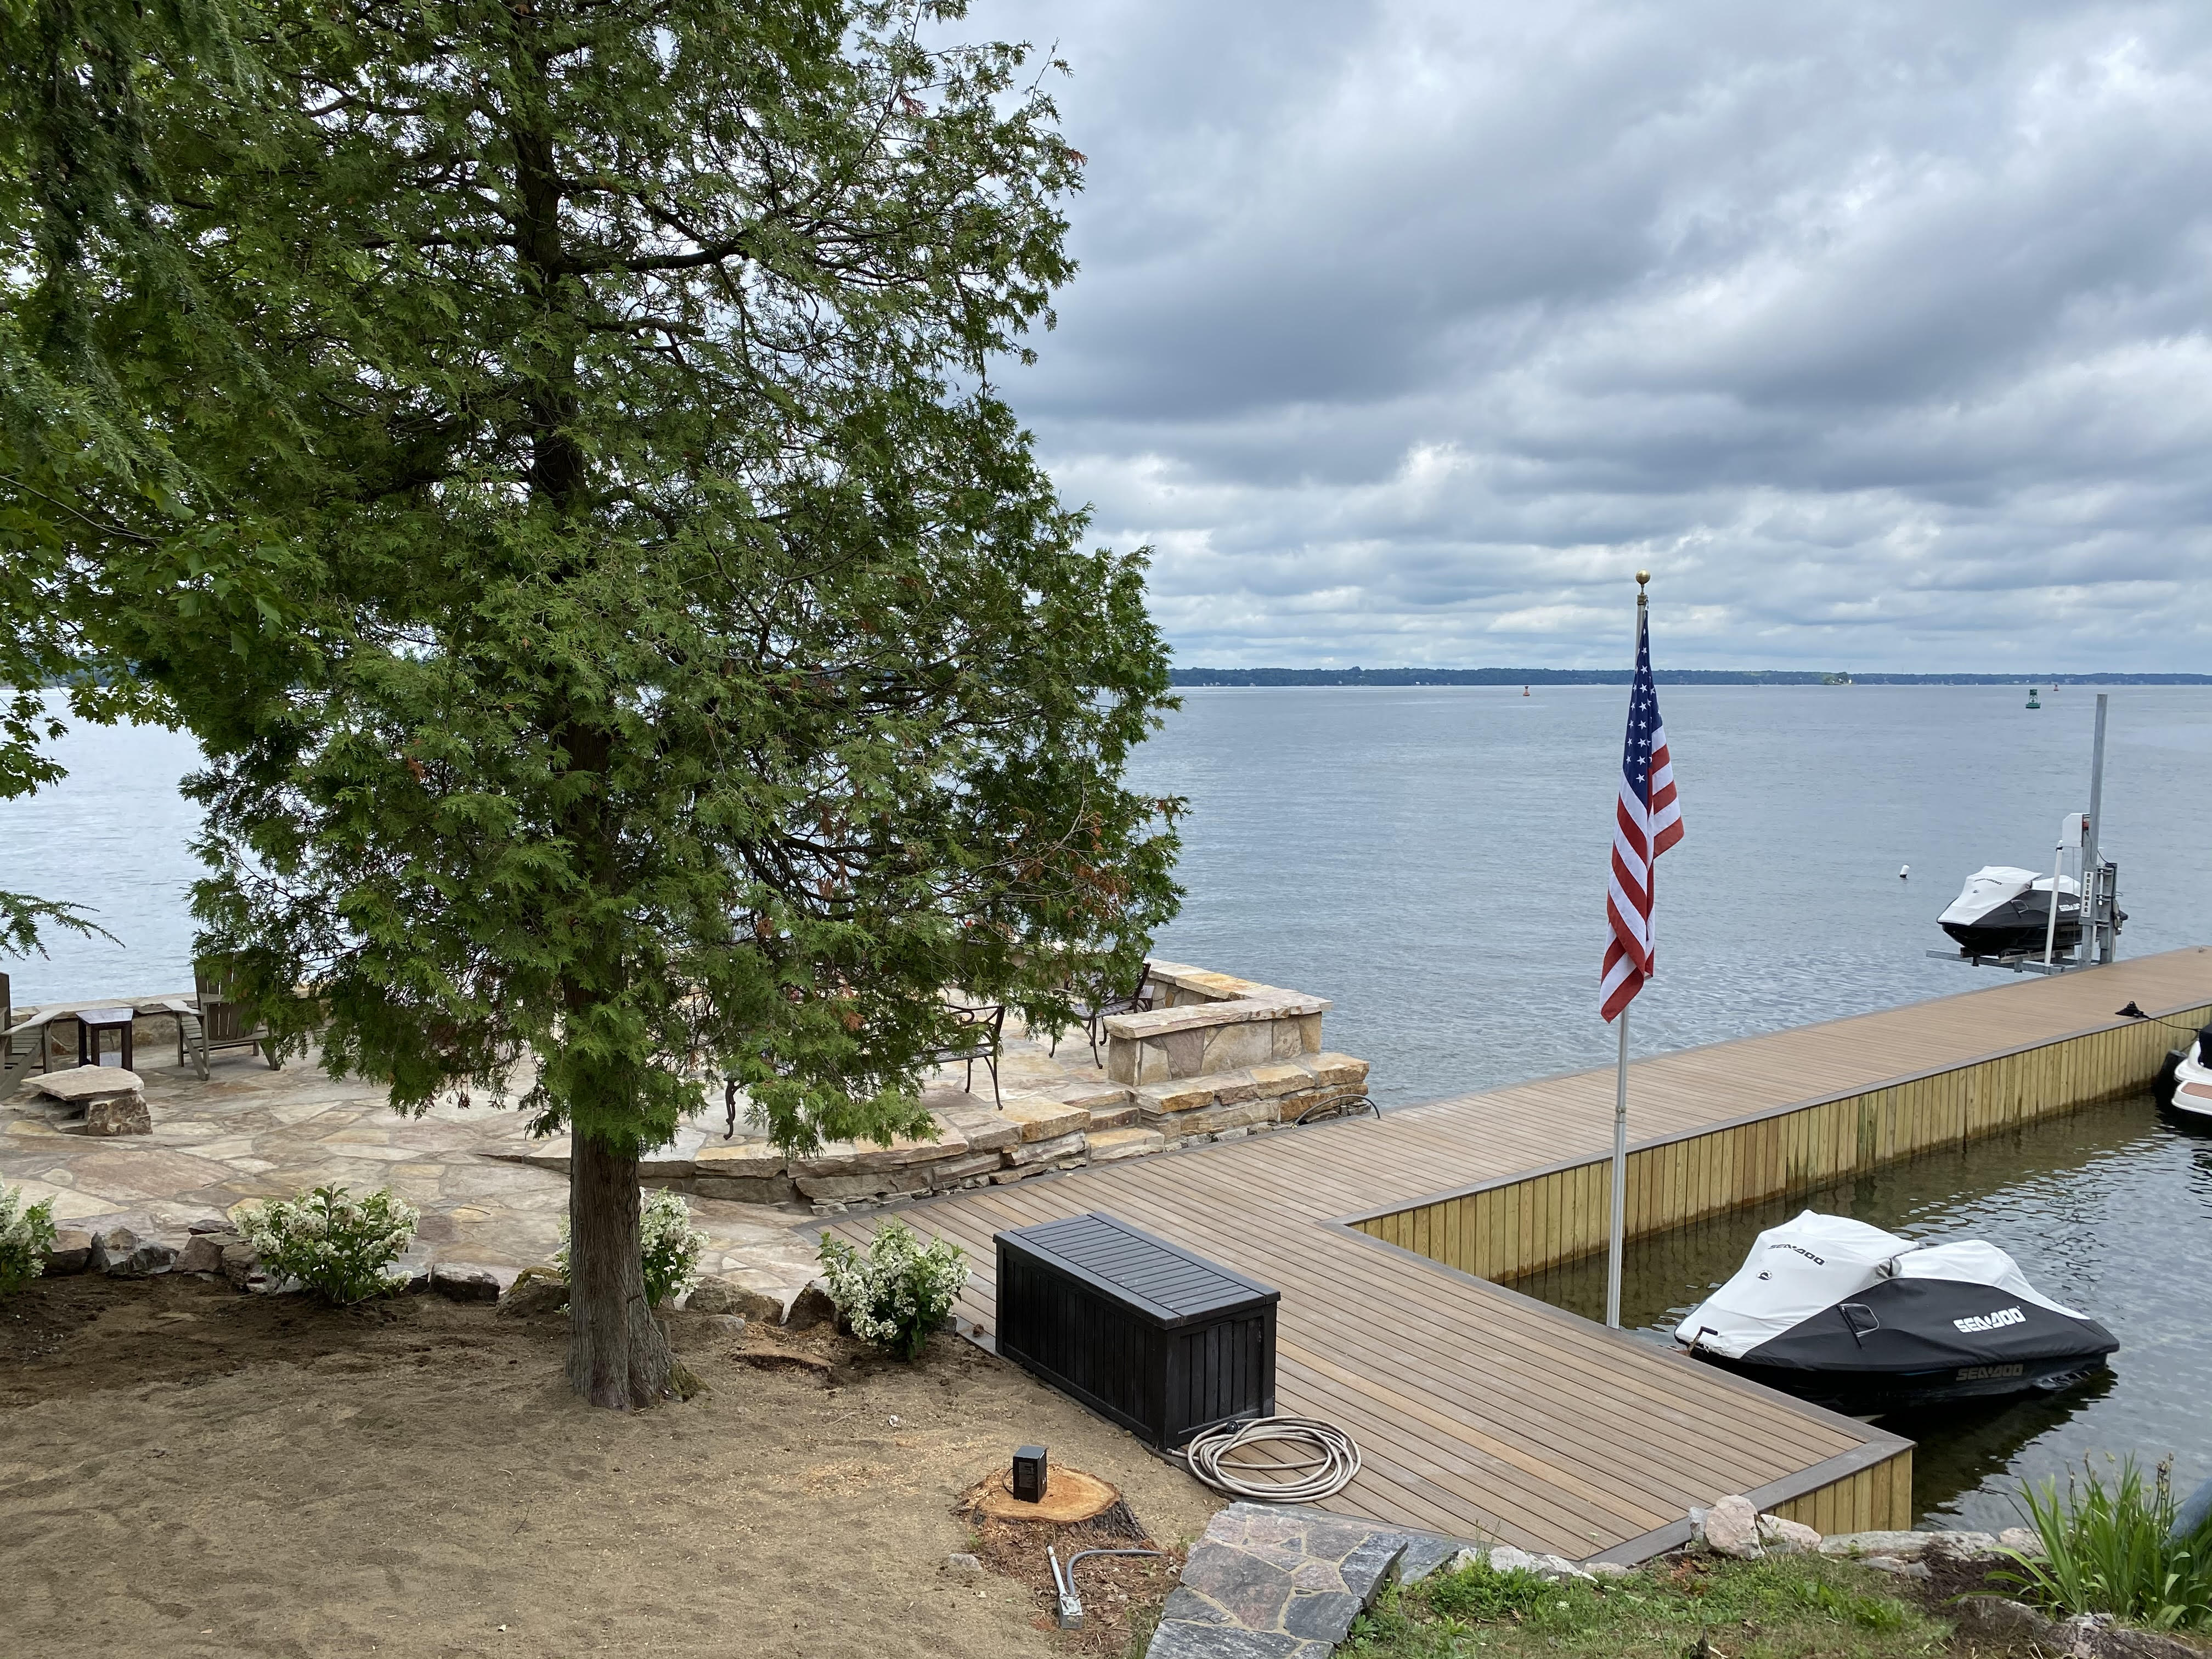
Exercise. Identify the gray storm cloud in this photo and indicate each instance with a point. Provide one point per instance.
(1405, 331)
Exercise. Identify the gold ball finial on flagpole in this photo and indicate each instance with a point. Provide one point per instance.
(1642, 577)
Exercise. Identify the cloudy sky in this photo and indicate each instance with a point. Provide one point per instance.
(1406, 331)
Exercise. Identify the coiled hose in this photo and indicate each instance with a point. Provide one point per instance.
(1322, 1457)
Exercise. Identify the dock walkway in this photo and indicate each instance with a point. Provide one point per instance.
(1480, 1413)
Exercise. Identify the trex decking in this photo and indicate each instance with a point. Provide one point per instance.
(1482, 1413)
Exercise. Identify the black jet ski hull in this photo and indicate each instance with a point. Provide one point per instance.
(1920, 1342)
(2020, 924)
(1871, 1393)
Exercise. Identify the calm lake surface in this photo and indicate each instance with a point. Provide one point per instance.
(1433, 859)
(2107, 1209)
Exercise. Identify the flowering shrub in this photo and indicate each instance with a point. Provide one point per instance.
(26, 1235)
(334, 1244)
(898, 1291)
(668, 1246)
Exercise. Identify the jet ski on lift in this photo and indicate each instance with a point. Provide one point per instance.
(2184, 1081)
(2004, 909)
(1847, 1315)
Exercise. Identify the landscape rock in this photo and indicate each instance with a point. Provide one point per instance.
(1610, 1570)
(2087, 1636)
(1731, 1527)
(1890, 1564)
(534, 1291)
(71, 1253)
(2025, 1540)
(1783, 1537)
(1963, 1545)
(240, 1266)
(810, 1308)
(118, 1115)
(467, 1281)
(202, 1252)
(1901, 1546)
(122, 1252)
(1039, 1117)
(1503, 1558)
(1045, 1151)
(961, 1561)
(81, 1086)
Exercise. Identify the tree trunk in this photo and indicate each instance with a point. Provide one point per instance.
(618, 1356)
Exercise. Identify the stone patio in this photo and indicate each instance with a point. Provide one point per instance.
(492, 1200)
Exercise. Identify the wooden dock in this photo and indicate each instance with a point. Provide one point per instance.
(1483, 1413)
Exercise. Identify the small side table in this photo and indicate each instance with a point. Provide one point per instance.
(92, 1024)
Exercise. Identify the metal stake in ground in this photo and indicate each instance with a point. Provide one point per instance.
(1646, 822)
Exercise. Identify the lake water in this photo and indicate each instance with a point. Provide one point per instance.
(1434, 859)
(2108, 1210)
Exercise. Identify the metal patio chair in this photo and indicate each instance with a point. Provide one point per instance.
(980, 1033)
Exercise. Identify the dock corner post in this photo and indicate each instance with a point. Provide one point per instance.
(1620, 1181)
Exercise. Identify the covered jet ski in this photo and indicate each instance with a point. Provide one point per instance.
(2003, 908)
(1845, 1314)
(2184, 1081)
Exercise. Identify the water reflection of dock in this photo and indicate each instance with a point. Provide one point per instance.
(1482, 1412)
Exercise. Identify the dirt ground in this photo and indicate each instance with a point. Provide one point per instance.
(184, 1470)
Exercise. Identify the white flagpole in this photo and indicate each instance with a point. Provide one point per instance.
(1620, 1177)
(1621, 1089)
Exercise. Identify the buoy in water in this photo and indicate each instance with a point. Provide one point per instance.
(1904, 872)
(2031, 701)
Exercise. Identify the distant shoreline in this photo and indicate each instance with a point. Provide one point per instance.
(1267, 677)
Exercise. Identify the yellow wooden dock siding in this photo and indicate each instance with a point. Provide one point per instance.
(1513, 1225)
(1483, 1413)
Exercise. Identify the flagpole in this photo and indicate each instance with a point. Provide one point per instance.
(1620, 1093)
(1620, 1176)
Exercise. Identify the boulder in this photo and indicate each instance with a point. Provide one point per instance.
(1890, 1564)
(727, 1297)
(2023, 1540)
(83, 1085)
(1503, 1558)
(535, 1291)
(240, 1266)
(118, 1115)
(1731, 1527)
(1901, 1545)
(202, 1252)
(468, 1281)
(1963, 1545)
(810, 1308)
(1783, 1537)
(71, 1252)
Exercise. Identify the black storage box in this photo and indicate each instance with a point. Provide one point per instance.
(1164, 1342)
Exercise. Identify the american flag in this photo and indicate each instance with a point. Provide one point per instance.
(1646, 823)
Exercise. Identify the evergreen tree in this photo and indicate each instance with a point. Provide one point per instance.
(633, 642)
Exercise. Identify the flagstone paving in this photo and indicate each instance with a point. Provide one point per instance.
(489, 1194)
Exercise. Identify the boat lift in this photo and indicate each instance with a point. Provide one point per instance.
(2099, 878)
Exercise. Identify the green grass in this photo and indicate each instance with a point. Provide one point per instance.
(2106, 1549)
(1789, 1608)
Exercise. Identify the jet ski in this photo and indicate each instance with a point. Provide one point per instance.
(2001, 909)
(1847, 1315)
(2184, 1081)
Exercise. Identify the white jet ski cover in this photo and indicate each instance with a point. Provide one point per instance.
(1994, 884)
(1794, 1270)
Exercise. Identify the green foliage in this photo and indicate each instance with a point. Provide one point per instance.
(1784, 1608)
(576, 514)
(552, 459)
(668, 1247)
(2107, 1547)
(27, 1234)
(897, 1291)
(335, 1245)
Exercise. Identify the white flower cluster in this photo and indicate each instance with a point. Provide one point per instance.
(333, 1243)
(898, 1291)
(27, 1233)
(669, 1247)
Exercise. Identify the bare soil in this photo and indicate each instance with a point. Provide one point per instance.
(185, 1471)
